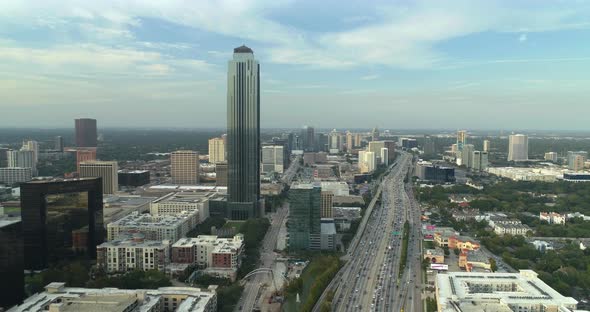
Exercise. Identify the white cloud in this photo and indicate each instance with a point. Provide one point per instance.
(522, 38)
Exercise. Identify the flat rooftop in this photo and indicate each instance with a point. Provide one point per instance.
(496, 291)
(184, 197)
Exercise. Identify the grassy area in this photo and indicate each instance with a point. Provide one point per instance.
(234, 224)
(314, 279)
(404, 256)
(11, 210)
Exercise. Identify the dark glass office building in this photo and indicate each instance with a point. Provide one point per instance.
(133, 177)
(12, 280)
(86, 133)
(304, 223)
(243, 135)
(61, 220)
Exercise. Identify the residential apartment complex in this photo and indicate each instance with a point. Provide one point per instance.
(133, 252)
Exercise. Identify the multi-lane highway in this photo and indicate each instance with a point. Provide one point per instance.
(251, 295)
(370, 280)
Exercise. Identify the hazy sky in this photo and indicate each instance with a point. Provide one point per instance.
(394, 64)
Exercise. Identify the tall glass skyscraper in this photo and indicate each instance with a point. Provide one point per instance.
(243, 135)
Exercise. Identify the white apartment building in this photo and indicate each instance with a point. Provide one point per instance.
(367, 161)
(22, 159)
(512, 229)
(161, 227)
(133, 252)
(58, 297)
(107, 170)
(14, 175)
(518, 147)
(552, 217)
(177, 202)
(273, 159)
(523, 292)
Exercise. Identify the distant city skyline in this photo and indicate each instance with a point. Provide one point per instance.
(402, 64)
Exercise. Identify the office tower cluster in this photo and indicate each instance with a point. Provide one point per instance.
(377, 153)
(467, 155)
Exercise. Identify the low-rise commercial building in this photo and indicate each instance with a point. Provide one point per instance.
(430, 172)
(177, 202)
(59, 298)
(344, 216)
(133, 177)
(161, 227)
(524, 291)
(133, 252)
(476, 259)
(434, 255)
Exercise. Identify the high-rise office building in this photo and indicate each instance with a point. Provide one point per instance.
(84, 155)
(58, 143)
(384, 156)
(375, 134)
(349, 142)
(12, 286)
(480, 160)
(107, 170)
(221, 174)
(273, 159)
(61, 220)
(367, 161)
(216, 150)
(357, 140)
(304, 223)
(518, 147)
(574, 162)
(486, 145)
(322, 142)
(22, 159)
(428, 147)
(184, 167)
(86, 134)
(308, 135)
(461, 139)
(243, 135)
(551, 156)
(334, 141)
(31, 146)
(375, 147)
(467, 155)
(3, 157)
(327, 203)
(390, 146)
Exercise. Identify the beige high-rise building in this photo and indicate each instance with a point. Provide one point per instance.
(216, 150)
(184, 167)
(31, 146)
(461, 139)
(578, 163)
(518, 147)
(327, 198)
(357, 140)
(107, 170)
(486, 145)
(349, 141)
